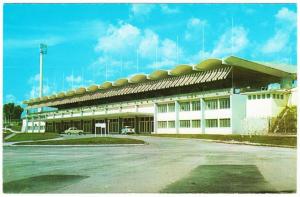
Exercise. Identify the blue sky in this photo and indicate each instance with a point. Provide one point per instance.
(85, 39)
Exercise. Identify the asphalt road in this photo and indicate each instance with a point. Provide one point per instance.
(147, 168)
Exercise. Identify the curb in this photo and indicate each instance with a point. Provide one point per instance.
(78, 145)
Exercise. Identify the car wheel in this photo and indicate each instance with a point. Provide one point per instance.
(69, 133)
(80, 133)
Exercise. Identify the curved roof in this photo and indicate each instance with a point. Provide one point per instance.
(158, 74)
(80, 90)
(139, 83)
(120, 82)
(92, 88)
(70, 93)
(61, 95)
(138, 78)
(105, 85)
(208, 64)
(181, 70)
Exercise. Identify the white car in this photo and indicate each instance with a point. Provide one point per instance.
(127, 130)
(73, 130)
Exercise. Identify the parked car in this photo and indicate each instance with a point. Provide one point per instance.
(127, 130)
(73, 130)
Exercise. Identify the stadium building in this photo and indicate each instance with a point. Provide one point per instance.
(228, 96)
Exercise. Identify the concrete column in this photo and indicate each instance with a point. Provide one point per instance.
(155, 118)
(39, 124)
(202, 115)
(177, 117)
(26, 124)
(136, 108)
(32, 124)
(136, 124)
(119, 124)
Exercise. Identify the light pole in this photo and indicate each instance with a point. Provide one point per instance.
(43, 51)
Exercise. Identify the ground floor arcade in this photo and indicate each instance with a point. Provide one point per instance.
(143, 124)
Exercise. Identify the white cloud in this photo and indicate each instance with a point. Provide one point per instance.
(119, 39)
(194, 28)
(231, 42)
(168, 10)
(284, 14)
(141, 9)
(34, 79)
(276, 43)
(73, 79)
(148, 44)
(280, 41)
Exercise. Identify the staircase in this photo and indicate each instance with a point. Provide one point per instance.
(286, 121)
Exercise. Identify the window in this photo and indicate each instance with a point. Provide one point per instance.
(171, 124)
(274, 96)
(162, 124)
(277, 96)
(185, 106)
(263, 96)
(171, 107)
(211, 104)
(281, 96)
(249, 97)
(268, 95)
(210, 123)
(258, 96)
(196, 106)
(224, 103)
(254, 96)
(225, 122)
(162, 108)
(185, 124)
(196, 123)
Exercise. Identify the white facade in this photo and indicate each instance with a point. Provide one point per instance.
(213, 112)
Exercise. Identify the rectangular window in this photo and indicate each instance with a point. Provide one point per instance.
(263, 96)
(249, 97)
(171, 107)
(162, 108)
(171, 124)
(211, 104)
(268, 95)
(224, 103)
(196, 106)
(281, 96)
(254, 96)
(258, 96)
(211, 123)
(185, 124)
(274, 96)
(162, 124)
(196, 123)
(185, 106)
(277, 96)
(225, 122)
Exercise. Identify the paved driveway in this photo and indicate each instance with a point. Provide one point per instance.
(146, 168)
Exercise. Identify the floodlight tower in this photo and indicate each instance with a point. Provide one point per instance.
(43, 51)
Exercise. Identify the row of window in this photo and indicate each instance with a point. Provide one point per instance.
(214, 123)
(223, 103)
(35, 127)
(210, 123)
(265, 96)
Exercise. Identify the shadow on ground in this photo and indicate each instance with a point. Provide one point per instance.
(222, 179)
(41, 184)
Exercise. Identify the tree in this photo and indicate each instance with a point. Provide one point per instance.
(12, 112)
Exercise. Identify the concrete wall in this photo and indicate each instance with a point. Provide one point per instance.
(238, 111)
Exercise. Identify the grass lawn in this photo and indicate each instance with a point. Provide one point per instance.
(263, 139)
(19, 137)
(86, 141)
(6, 133)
